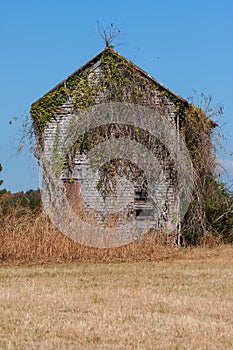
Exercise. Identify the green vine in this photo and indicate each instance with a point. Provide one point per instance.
(59, 162)
(180, 106)
(118, 81)
(43, 110)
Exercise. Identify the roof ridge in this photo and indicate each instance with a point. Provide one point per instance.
(96, 57)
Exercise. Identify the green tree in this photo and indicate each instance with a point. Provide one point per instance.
(211, 210)
(1, 181)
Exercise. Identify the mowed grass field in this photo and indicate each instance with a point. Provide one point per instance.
(181, 302)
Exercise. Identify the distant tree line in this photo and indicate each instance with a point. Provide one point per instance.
(30, 200)
(1, 181)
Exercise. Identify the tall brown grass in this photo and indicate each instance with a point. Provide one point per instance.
(32, 238)
(29, 237)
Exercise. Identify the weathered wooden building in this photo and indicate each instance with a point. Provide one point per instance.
(109, 78)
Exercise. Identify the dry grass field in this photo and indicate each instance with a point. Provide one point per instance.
(184, 301)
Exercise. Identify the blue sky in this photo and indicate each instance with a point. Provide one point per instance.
(185, 45)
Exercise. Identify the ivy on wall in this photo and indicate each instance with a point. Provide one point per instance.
(118, 79)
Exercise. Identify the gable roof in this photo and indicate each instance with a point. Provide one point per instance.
(96, 58)
(43, 108)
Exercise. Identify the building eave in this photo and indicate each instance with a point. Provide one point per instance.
(96, 59)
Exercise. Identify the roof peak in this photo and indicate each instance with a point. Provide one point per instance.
(97, 57)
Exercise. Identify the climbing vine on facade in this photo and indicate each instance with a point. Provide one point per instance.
(109, 77)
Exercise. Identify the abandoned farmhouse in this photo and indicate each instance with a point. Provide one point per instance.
(117, 190)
